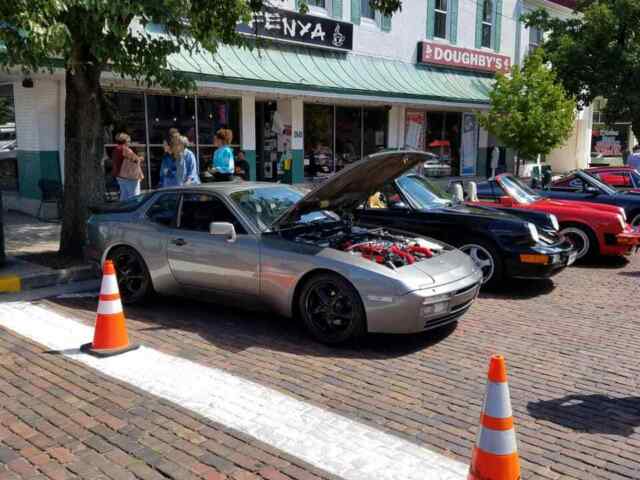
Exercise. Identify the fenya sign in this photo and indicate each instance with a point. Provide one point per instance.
(290, 26)
(432, 53)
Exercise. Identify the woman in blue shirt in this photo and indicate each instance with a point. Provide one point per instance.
(223, 163)
(179, 167)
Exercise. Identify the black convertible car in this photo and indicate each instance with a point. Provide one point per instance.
(522, 244)
(583, 186)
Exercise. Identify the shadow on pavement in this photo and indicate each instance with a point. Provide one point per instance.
(590, 413)
(603, 262)
(235, 330)
(630, 274)
(518, 289)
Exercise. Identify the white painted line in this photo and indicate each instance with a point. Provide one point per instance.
(329, 441)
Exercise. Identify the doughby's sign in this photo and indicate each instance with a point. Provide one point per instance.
(432, 53)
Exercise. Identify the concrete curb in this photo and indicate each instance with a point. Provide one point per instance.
(49, 278)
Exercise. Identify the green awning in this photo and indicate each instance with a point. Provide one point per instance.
(324, 71)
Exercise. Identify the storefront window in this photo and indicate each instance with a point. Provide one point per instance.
(149, 130)
(357, 131)
(348, 135)
(214, 114)
(8, 141)
(366, 11)
(318, 140)
(442, 138)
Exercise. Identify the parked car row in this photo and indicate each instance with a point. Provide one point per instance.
(375, 248)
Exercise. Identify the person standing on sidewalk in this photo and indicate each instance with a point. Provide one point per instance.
(634, 159)
(126, 167)
(186, 168)
(223, 163)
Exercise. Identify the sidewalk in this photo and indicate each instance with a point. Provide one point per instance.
(32, 261)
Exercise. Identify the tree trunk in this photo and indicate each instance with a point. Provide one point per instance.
(83, 171)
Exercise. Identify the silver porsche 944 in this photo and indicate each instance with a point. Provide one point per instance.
(270, 245)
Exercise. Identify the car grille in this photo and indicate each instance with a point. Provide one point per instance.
(451, 317)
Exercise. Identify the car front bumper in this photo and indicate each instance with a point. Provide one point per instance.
(540, 261)
(425, 309)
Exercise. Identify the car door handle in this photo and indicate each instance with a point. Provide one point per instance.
(179, 242)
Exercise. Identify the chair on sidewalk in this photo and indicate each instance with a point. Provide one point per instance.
(50, 192)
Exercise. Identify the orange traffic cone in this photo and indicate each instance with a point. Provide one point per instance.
(495, 455)
(110, 336)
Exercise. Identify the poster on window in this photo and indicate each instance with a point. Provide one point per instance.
(469, 153)
(414, 130)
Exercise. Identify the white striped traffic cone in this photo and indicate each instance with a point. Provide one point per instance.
(110, 335)
(495, 455)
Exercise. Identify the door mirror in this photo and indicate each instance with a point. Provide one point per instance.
(223, 229)
(399, 206)
(591, 190)
(506, 201)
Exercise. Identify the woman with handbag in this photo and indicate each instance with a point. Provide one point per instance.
(129, 174)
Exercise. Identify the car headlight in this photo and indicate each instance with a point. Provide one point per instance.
(554, 222)
(623, 223)
(533, 231)
(436, 305)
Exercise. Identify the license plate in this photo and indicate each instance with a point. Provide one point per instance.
(572, 258)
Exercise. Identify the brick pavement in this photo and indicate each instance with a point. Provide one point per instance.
(61, 420)
(571, 346)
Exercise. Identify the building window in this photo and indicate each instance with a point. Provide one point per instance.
(366, 11)
(317, 3)
(535, 38)
(338, 136)
(487, 23)
(440, 19)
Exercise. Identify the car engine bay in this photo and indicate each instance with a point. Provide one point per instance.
(377, 245)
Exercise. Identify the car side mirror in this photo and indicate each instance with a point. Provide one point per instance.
(591, 190)
(506, 201)
(223, 229)
(399, 206)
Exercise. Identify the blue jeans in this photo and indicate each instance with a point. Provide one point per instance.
(128, 188)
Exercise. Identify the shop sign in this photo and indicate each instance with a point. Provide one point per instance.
(432, 53)
(608, 142)
(414, 129)
(291, 26)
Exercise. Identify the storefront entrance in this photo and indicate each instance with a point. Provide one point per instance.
(266, 141)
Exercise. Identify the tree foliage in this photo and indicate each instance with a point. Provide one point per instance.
(88, 37)
(597, 54)
(529, 111)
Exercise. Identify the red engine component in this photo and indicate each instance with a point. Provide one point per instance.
(390, 253)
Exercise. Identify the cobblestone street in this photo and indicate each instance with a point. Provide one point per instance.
(572, 349)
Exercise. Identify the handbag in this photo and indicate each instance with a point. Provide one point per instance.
(130, 169)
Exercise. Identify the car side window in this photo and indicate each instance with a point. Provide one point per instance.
(200, 210)
(576, 184)
(163, 210)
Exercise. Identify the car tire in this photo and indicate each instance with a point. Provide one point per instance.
(635, 220)
(331, 309)
(134, 281)
(487, 257)
(582, 238)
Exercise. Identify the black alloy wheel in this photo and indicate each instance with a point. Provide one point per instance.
(134, 281)
(331, 309)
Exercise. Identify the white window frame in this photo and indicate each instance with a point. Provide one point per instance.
(490, 23)
(322, 11)
(530, 43)
(437, 11)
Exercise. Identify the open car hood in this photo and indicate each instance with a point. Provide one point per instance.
(346, 190)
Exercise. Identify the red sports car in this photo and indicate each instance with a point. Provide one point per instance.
(592, 228)
(622, 178)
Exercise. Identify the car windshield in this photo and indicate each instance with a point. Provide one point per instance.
(265, 205)
(424, 194)
(517, 190)
(594, 182)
